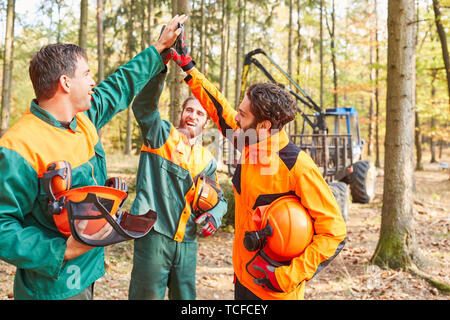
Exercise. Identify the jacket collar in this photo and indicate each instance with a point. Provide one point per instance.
(261, 152)
(48, 118)
(273, 143)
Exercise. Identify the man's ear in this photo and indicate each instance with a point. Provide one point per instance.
(265, 124)
(65, 83)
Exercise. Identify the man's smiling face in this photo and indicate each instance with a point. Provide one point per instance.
(81, 85)
(193, 118)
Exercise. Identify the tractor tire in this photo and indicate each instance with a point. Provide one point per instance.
(341, 192)
(362, 181)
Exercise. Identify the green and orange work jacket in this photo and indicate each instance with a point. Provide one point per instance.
(29, 238)
(267, 170)
(168, 166)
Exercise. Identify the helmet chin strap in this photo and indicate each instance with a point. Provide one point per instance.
(274, 263)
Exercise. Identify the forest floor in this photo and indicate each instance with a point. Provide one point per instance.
(349, 276)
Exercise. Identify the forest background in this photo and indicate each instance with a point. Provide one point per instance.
(342, 63)
(336, 50)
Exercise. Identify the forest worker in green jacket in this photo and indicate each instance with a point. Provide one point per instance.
(171, 162)
(62, 124)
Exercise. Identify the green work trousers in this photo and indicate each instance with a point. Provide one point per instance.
(86, 294)
(159, 263)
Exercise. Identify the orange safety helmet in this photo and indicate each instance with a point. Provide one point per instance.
(110, 196)
(286, 229)
(91, 214)
(57, 182)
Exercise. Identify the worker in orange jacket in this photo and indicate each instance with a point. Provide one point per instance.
(270, 167)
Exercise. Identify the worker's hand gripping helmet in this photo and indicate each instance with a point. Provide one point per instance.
(91, 214)
(285, 229)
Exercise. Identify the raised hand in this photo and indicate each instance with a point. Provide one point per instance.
(170, 33)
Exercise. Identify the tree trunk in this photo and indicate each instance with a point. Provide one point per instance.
(321, 54)
(82, 36)
(432, 140)
(331, 32)
(202, 36)
(299, 40)
(289, 126)
(239, 56)
(223, 43)
(417, 141)
(7, 67)
(299, 55)
(150, 18)
(100, 49)
(176, 88)
(372, 85)
(290, 38)
(143, 20)
(130, 54)
(193, 35)
(433, 122)
(443, 38)
(397, 246)
(59, 27)
(417, 131)
(377, 91)
(227, 56)
(100, 42)
(244, 32)
(184, 7)
(209, 16)
(172, 76)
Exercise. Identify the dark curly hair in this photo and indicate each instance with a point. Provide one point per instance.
(271, 102)
(50, 63)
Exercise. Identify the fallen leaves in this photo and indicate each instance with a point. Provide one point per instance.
(350, 276)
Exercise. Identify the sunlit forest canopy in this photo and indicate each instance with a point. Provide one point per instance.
(341, 64)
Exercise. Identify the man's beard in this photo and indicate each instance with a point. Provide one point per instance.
(245, 136)
(188, 131)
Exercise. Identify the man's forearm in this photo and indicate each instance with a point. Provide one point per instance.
(213, 101)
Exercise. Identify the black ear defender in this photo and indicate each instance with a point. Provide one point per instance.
(254, 240)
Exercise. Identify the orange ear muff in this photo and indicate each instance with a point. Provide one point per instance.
(207, 194)
(57, 178)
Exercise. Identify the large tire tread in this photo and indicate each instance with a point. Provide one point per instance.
(342, 195)
(360, 179)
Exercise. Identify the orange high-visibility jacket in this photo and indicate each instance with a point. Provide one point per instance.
(267, 170)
